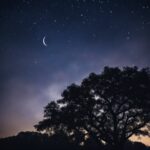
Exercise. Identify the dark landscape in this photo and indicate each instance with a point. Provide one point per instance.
(101, 113)
(34, 140)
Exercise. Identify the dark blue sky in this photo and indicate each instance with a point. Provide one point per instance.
(82, 36)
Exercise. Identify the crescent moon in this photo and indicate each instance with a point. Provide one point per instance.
(44, 42)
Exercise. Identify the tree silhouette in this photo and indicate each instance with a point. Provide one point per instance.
(109, 108)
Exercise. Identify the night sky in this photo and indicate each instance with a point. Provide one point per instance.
(47, 44)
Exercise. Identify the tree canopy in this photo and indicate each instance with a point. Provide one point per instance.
(109, 107)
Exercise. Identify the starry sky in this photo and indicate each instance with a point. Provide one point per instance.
(81, 36)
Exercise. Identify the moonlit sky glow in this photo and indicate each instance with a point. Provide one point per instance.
(82, 36)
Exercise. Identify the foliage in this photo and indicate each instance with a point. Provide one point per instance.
(109, 107)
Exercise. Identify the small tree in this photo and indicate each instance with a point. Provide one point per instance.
(109, 107)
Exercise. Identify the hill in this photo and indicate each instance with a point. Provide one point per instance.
(38, 141)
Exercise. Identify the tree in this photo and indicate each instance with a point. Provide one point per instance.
(109, 107)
